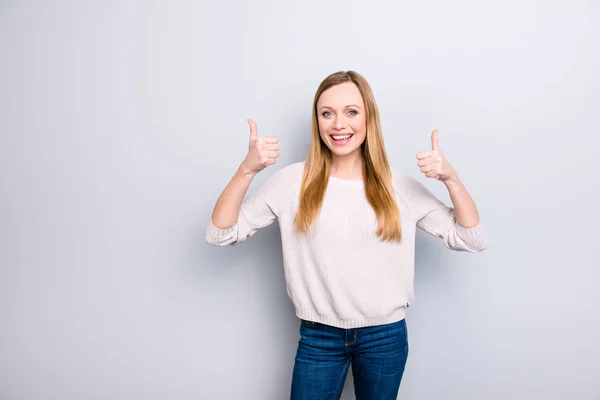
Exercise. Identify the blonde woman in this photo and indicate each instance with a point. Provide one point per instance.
(348, 223)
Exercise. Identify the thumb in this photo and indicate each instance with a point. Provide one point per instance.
(253, 129)
(435, 145)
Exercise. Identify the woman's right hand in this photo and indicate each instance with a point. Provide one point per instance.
(262, 152)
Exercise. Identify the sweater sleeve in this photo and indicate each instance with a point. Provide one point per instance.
(257, 210)
(435, 218)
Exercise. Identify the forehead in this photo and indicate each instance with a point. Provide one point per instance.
(340, 96)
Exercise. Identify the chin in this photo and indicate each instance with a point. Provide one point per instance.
(343, 152)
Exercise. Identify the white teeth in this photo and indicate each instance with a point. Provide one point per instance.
(341, 137)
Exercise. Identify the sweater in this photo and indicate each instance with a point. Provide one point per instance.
(341, 273)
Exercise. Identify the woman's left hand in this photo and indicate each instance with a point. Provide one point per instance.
(433, 163)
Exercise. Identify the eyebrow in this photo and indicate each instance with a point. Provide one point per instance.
(349, 105)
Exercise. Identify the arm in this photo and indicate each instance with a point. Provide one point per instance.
(465, 210)
(235, 218)
(460, 226)
(434, 217)
(226, 210)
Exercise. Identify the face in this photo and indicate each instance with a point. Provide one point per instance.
(342, 120)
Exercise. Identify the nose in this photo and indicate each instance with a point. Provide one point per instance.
(338, 123)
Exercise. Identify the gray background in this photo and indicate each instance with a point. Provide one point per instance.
(122, 121)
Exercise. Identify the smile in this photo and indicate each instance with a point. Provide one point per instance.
(342, 137)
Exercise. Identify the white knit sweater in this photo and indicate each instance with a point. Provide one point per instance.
(341, 273)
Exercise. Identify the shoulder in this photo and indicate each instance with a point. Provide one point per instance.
(284, 179)
(292, 170)
(416, 195)
(402, 179)
(409, 188)
(289, 175)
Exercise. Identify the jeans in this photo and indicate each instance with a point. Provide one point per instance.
(377, 355)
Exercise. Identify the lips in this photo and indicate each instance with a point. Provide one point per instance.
(341, 136)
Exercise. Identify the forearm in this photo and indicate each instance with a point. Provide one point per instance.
(227, 208)
(465, 210)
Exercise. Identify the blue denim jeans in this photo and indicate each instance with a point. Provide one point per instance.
(377, 355)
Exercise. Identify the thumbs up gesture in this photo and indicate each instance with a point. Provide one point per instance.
(433, 163)
(262, 152)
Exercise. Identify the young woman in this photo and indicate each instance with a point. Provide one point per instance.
(348, 224)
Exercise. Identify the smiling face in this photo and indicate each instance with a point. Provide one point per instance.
(342, 120)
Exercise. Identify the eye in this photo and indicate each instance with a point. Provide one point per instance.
(352, 112)
(326, 114)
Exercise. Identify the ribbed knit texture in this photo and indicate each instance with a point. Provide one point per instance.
(341, 273)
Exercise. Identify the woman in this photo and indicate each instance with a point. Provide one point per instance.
(348, 225)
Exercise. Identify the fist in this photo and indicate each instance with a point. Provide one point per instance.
(433, 163)
(262, 152)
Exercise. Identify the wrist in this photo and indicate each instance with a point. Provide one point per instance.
(246, 172)
(452, 182)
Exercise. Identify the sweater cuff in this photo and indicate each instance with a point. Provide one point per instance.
(474, 235)
(218, 235)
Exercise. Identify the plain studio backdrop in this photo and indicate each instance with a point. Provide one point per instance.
(122, 121)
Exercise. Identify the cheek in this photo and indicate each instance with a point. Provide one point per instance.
(359, 125)
(323, 127)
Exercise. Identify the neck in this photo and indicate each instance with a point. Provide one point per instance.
(347, 167)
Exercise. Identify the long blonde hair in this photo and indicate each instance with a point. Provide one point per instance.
(376, 170)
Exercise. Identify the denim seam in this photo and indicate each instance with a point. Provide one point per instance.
(353, 340)
(342, 380)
